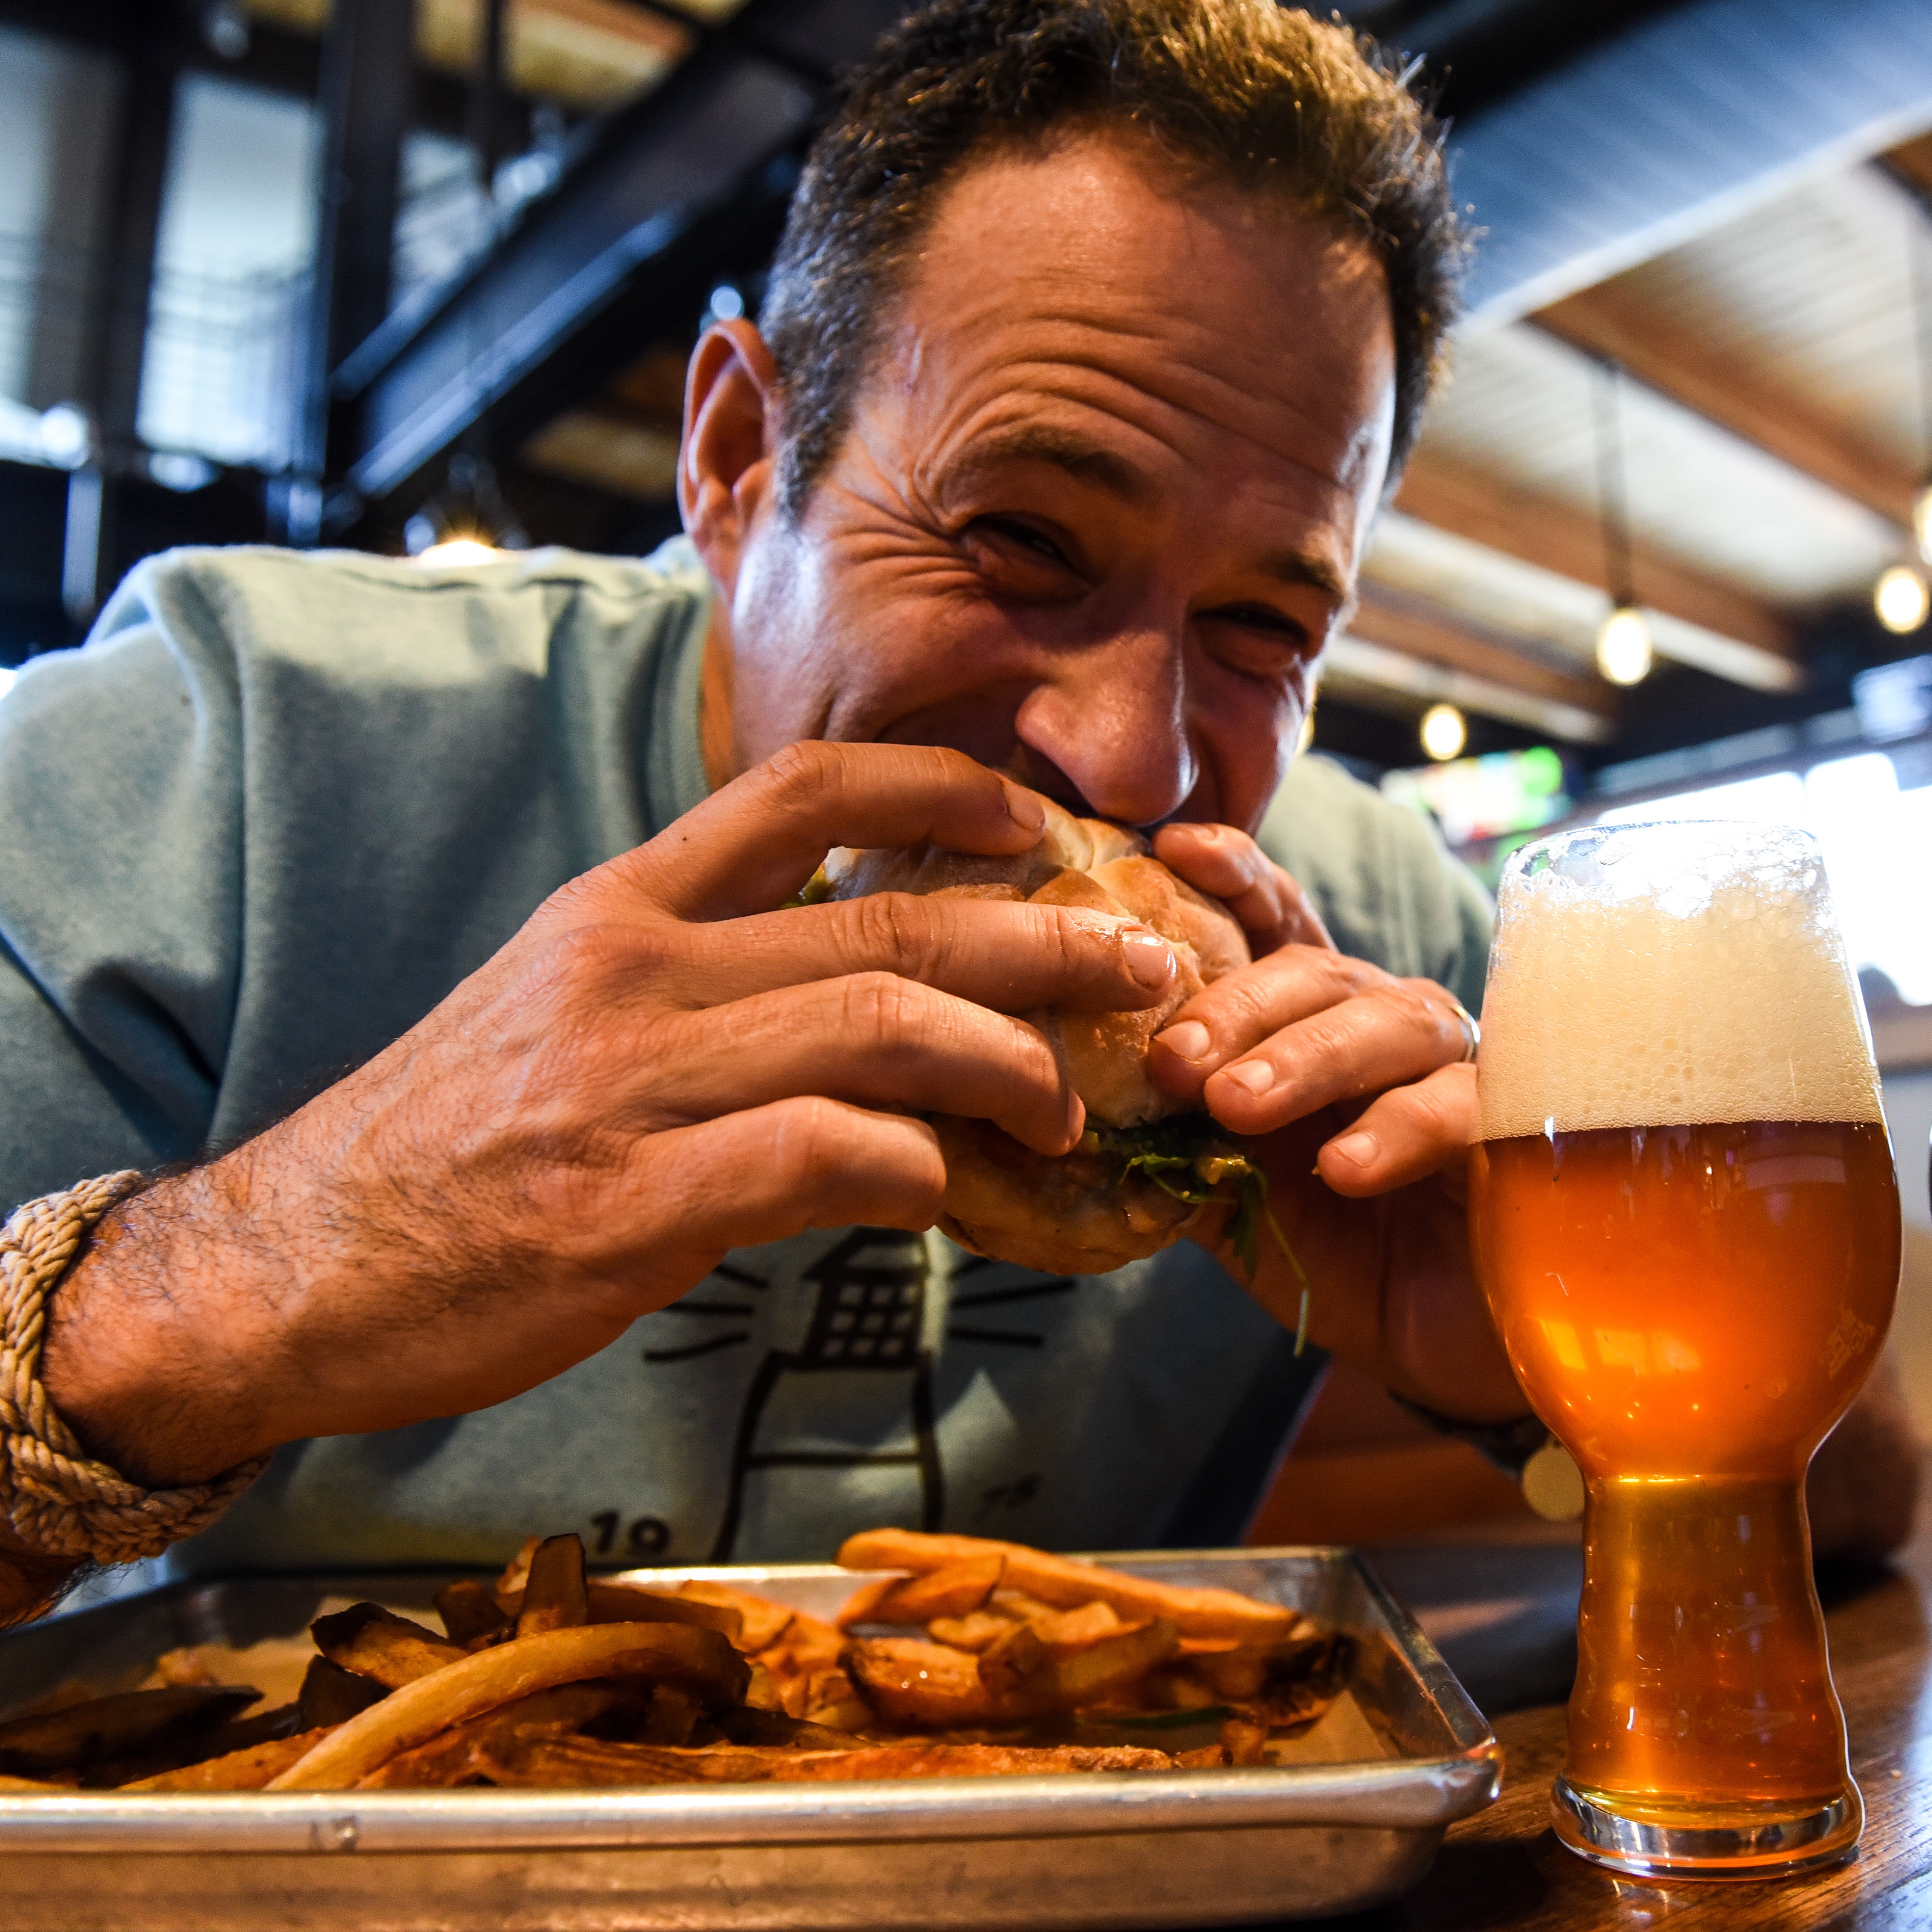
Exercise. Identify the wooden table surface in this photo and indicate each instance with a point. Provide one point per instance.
(1504, 1870)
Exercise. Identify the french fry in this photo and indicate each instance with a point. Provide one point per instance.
(470, 1614)
(1065, 1631)
(861, 1607)
(700, 1660)
(953, 1590)
(632, 1603)
(909, 1681)
(762, 1623)
(1060, 1580)
(555, 1596)
(462, 1753)
(1101, 1670)
(1244, 1741)
(979, 1632)
(1238, 1673)
(331, 1695)
(178, 1752)
(517, 1571)
(107, 1728)
(247, 1770)
(748, 1726)
(807, 1645)
(561, 1762)
(375, 1642)
(1015, 1655)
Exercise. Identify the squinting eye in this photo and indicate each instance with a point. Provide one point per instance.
(1026, 536)
(1259, 617)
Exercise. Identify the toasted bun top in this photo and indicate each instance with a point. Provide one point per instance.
(1090, 864)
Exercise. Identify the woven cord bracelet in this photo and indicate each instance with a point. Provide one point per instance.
(57, 1499)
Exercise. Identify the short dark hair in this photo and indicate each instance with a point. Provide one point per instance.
(1240, 91)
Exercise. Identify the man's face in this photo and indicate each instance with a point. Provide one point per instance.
(1107, 481)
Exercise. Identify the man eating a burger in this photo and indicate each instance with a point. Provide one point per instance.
(441, 1118)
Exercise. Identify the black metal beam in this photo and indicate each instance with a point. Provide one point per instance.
(113, 322)
(685, 184)
(366, 74)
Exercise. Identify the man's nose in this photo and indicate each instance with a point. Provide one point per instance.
(1113, 717)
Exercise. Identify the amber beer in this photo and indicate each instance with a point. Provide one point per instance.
(1684, 1215)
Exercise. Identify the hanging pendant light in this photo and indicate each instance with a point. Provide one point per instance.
(1625, 654)
(1901, 595)
(1901, 598)
(1444, 732)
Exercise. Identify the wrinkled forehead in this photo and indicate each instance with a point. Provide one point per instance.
(1092, 272)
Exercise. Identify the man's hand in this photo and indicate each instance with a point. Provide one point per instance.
(658, 1067)
(1290, 1049)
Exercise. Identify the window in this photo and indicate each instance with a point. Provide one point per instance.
(237, 242)
(1877, 844)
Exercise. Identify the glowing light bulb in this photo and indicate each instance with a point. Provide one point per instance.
(1901, 599)
(459, 550)
(1922, 522)
(1623, 654)
(1444, 732)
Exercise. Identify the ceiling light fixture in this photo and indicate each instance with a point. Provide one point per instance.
(1901, 599)
(467, 521)
(1625, 654)
(457, 550)
(1444, 732)
(1919, 266)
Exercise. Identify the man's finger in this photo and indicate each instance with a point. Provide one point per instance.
(1404, 1135)
(1243, 1010)
(871, 1039)
(749, 847)
(799, 1163)
(1012, 958)
(1272, 909)
(1388, 1036)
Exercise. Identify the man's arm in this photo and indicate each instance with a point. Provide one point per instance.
(658, 1068)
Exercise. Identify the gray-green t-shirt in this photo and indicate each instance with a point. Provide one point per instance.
(279, 804)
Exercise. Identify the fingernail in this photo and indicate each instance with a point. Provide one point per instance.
(1189, 1040)
(1359, 1147)
(1023, 808)
(1253, 1076)
(1149, 957)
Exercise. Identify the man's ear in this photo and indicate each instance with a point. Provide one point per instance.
(728, 463)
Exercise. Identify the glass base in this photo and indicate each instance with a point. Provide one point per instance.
(1656, 1838)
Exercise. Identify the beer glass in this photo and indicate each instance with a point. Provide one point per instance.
(1684, 1216)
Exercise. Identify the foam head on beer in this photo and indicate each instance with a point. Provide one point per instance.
(1636, 982)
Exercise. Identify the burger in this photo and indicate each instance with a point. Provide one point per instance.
(1149, 1168)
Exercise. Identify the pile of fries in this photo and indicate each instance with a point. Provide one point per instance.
(967, 1658)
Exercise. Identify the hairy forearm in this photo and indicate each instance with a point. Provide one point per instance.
(157, 1338)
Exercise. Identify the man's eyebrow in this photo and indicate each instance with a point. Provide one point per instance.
(1310, 567)
(1079, 456)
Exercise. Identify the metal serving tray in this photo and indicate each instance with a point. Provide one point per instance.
(1355, 1820)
